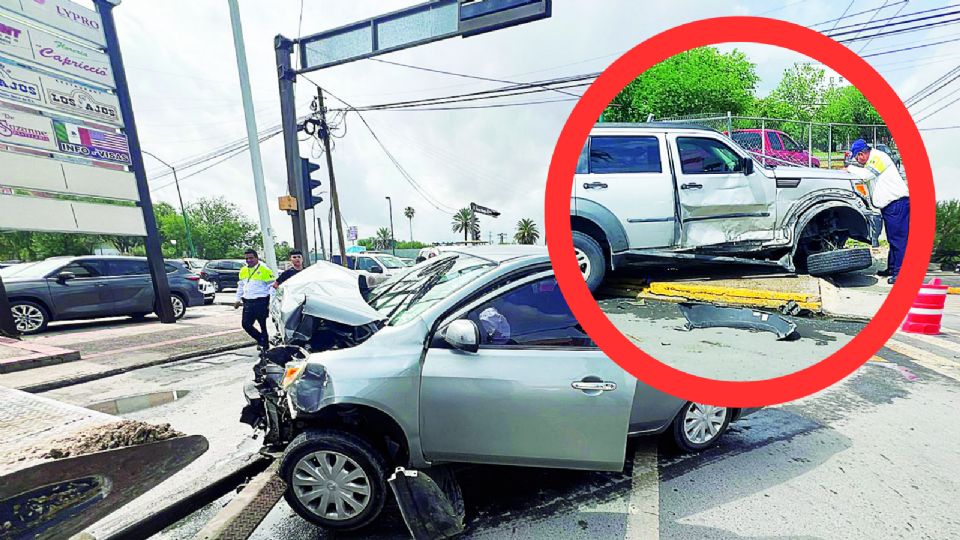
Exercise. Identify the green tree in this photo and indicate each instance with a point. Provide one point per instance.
(801, 90)
(463, 222)
(409, 213)
(697, 81)
(527, 232)
(54, 244)
(382, 240)
(17, 245)
(946, 242)
(282, 251)
(220, 229)
(847, 105)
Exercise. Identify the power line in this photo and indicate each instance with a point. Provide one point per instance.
(869, 41)
(892, 51)
(463, 75)
(926, 91)
(939, 109)
(840, 18)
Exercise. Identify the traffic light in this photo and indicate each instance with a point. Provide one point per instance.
(309, 184)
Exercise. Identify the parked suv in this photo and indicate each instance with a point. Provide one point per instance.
(778, 149)
(460, 359)
(63, 288)
(666, 192)
(224, 273)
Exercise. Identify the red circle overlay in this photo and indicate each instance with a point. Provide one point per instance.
(736, 393)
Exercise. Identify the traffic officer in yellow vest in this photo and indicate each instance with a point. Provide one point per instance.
(254, 289)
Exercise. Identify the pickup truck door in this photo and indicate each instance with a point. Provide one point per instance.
(719, 202)
(538, 392)
(630, 176)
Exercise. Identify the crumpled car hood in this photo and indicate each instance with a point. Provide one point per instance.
(327, 291)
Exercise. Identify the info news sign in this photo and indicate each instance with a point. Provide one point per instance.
(413, 26)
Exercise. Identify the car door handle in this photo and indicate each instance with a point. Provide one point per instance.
(691, 185)
(594, 386)
(595, 185)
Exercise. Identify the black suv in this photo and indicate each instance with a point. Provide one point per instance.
(222, 273)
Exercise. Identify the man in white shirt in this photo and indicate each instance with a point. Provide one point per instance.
(889, 193)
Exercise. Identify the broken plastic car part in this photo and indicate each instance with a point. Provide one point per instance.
(709, 316)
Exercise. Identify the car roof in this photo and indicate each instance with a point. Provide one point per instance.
(690, 126)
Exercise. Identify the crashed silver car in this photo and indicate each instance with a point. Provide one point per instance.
(469, 357)
(657, 192)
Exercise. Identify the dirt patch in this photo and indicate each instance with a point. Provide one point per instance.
(96, 439)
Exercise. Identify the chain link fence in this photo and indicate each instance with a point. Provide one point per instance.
(791, 142)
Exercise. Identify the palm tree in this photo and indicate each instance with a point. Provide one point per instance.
(409, 212)
(527, 232)
(382, 240)
(463, 221)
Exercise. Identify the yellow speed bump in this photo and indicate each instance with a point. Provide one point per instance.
(758, 297)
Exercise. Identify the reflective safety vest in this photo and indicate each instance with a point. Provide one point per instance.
(257, 273)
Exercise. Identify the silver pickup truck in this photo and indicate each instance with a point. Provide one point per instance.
(646, 193)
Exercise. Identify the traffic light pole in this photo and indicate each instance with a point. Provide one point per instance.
(286, 78)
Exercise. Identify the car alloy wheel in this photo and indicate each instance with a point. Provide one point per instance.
(583, 261)
(703, 423)
(178, 307)
(331, 485)
(27, 317)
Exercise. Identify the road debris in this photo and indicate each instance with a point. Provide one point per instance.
(96, 439)
(709, 316)
(432, 508)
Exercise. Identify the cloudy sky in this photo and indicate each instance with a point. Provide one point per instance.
(181, 65)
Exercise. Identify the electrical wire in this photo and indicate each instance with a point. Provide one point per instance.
(864, 12)
(875, 35)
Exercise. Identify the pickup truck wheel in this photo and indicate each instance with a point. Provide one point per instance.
(334, 479)
(590, 258)
(838, 261)
(699, 426)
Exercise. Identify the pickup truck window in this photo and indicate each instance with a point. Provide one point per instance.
(624, 155)
(774, 139)
(748, 140)
(707, 156)
(532, 315)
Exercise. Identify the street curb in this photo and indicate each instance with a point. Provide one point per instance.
(244, 513)
(175, 511)
(63, 383)
(732, 295)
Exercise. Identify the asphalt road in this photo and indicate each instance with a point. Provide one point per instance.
(876, 455)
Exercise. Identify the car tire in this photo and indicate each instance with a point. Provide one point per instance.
(590, 257)
(29, 317)
(302, 468)
(179, 304)
(828, 263)
(698, 427)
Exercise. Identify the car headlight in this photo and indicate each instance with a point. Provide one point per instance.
(862, 189)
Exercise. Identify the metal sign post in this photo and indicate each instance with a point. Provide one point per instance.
(158, 272)
(409, 27)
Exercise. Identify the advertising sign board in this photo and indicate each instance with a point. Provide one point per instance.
(91, 143)
(21, 84)
(24, 129)
(63, 15)
(34, 45)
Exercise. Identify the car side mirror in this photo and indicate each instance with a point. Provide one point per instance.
(65, 276)
(375, 270)
(747, 166)
(463, 335)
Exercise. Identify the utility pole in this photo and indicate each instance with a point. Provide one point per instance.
(393, 241)
(266, 231)
(335, 201)
(183, 210)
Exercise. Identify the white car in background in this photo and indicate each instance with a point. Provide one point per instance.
(209, 291)
(373, 267)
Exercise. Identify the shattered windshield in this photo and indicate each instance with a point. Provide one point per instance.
(406, 296)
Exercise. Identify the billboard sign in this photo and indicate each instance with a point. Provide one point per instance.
(352, 233)
(18, 83)
(91, 143)
(38, 46)
(42, 173)
(23, 129)
(63, 15)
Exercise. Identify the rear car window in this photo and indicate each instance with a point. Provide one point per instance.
(128, 268)
(624, 155)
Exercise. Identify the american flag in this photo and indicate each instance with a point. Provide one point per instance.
(102, 139)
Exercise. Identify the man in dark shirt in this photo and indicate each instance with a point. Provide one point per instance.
(296, 260)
